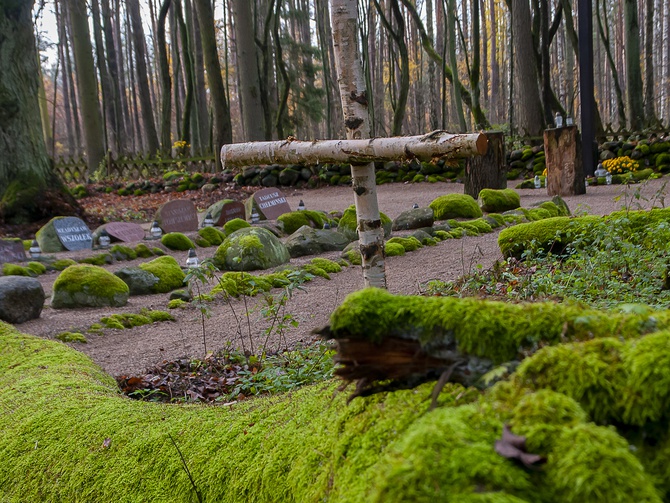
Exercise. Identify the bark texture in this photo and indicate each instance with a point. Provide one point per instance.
(344, 15)
(565, 175)
(435, 145)
(487, 171)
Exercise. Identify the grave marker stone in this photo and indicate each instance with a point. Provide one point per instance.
(73, 233)
(230, 211)
(179, 215)
(127, 232)
(271, 203)
(11, 251)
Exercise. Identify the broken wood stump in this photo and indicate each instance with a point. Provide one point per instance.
(563, 157)
(487, 171)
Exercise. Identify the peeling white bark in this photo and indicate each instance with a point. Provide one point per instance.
(432, 146)
(344, 17)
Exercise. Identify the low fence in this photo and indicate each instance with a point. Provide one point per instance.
(74, 170)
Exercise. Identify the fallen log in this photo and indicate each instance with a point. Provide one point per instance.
(435, 145)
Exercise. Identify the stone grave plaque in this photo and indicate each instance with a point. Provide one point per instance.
(127, 232)
(230, 211)
(271, 203)
(179, 215)
(73, 233)
(11, 251)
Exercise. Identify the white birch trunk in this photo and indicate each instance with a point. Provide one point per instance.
(344, 17)
(432, 146)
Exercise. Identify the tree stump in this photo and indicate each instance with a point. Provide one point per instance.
(487, 171)
(562, 150)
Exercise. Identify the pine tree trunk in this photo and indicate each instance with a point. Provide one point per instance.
(633, 71)
(166, 83)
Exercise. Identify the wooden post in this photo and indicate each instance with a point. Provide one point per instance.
(562, 150)
(487, 171)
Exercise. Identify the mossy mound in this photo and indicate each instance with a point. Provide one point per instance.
(9, 269)
(250, 249)
(241, 283)
(497, 201)
(168, 272)
(88, 286)
(455, 206)
(143, 251)
(393, 249)
(409, 244)
(213, 235)
(72, 337)
(292, 221)
(384, 448)
(99, 259)
(348, 224)
(121, 252)
(177, 241)
(60, 264)
(234, 225)
(549, 234)
(327, 265)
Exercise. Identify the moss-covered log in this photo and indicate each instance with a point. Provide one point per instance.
(390, 342)
(67, 435)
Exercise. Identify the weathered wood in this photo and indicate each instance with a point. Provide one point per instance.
(435, 145)
(487, 171)
(565, 174)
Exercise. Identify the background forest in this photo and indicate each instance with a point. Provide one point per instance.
(182, 77)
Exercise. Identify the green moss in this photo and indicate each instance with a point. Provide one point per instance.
(349, 223)
(235, 224)
(353, 256)
(549, 234)
(100, 259)
(393, 249)
(293, 220)
(550, 206)
(315, 270)
(143, 251)
(409, 243)
(538, 214)
(177, 241)
(497, 201)
(488, 329)
(327, 265)
(202, 242)
(71, 337)
(478, 225)
(455, 206)
(418, 178)
(121, 252)
(122, 321)
(442, 235)
(157, 251)
(167, 270)
(37, 267)
(157, 316)
(176, 304)
(16, 270)
(60, 264)
(213, 235)
(88, 286)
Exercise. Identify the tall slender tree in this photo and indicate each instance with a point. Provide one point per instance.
(633, 70)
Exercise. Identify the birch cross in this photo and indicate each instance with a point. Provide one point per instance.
(357, 149)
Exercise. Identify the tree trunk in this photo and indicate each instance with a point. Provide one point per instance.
(487, 171)
(188, 75)
(109, 116)
(649, 101)
(451, 30)
(29, 189)
(603, 29)
(344, 16)
(495, 67)
(252, 109)
(633, 71)
(565, 174)
(146, 107)
(529, 105)
(166, 83)
(223, 132)
(200, 116)
(115, 117)
(87, 86)
(357, 151)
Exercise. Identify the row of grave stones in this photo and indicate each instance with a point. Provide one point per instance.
(174, 216)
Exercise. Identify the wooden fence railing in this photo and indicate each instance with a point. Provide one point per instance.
(74, 170)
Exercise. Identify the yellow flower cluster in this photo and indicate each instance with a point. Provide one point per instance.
(620, 165)
(180, 145)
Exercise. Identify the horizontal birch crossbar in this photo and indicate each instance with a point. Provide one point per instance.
(431, 146)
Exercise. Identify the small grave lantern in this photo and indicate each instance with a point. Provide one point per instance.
(34, 250)
(558, 119)
(192, 259)
(209, 221)
(301, 205)
(155, 232)
(255, 217)
(104, 239)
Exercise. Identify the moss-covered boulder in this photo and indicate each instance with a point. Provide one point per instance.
(348, 224)
(88, 286)
(498, 201)
(455, 206)
(234, 225)
(309, 241)
(548, 234)
(139, 281)
(167, 270)
(48, 239)
(177, 241)
(212, 235)
(215, 210)
(292, 221)
(250, 249)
